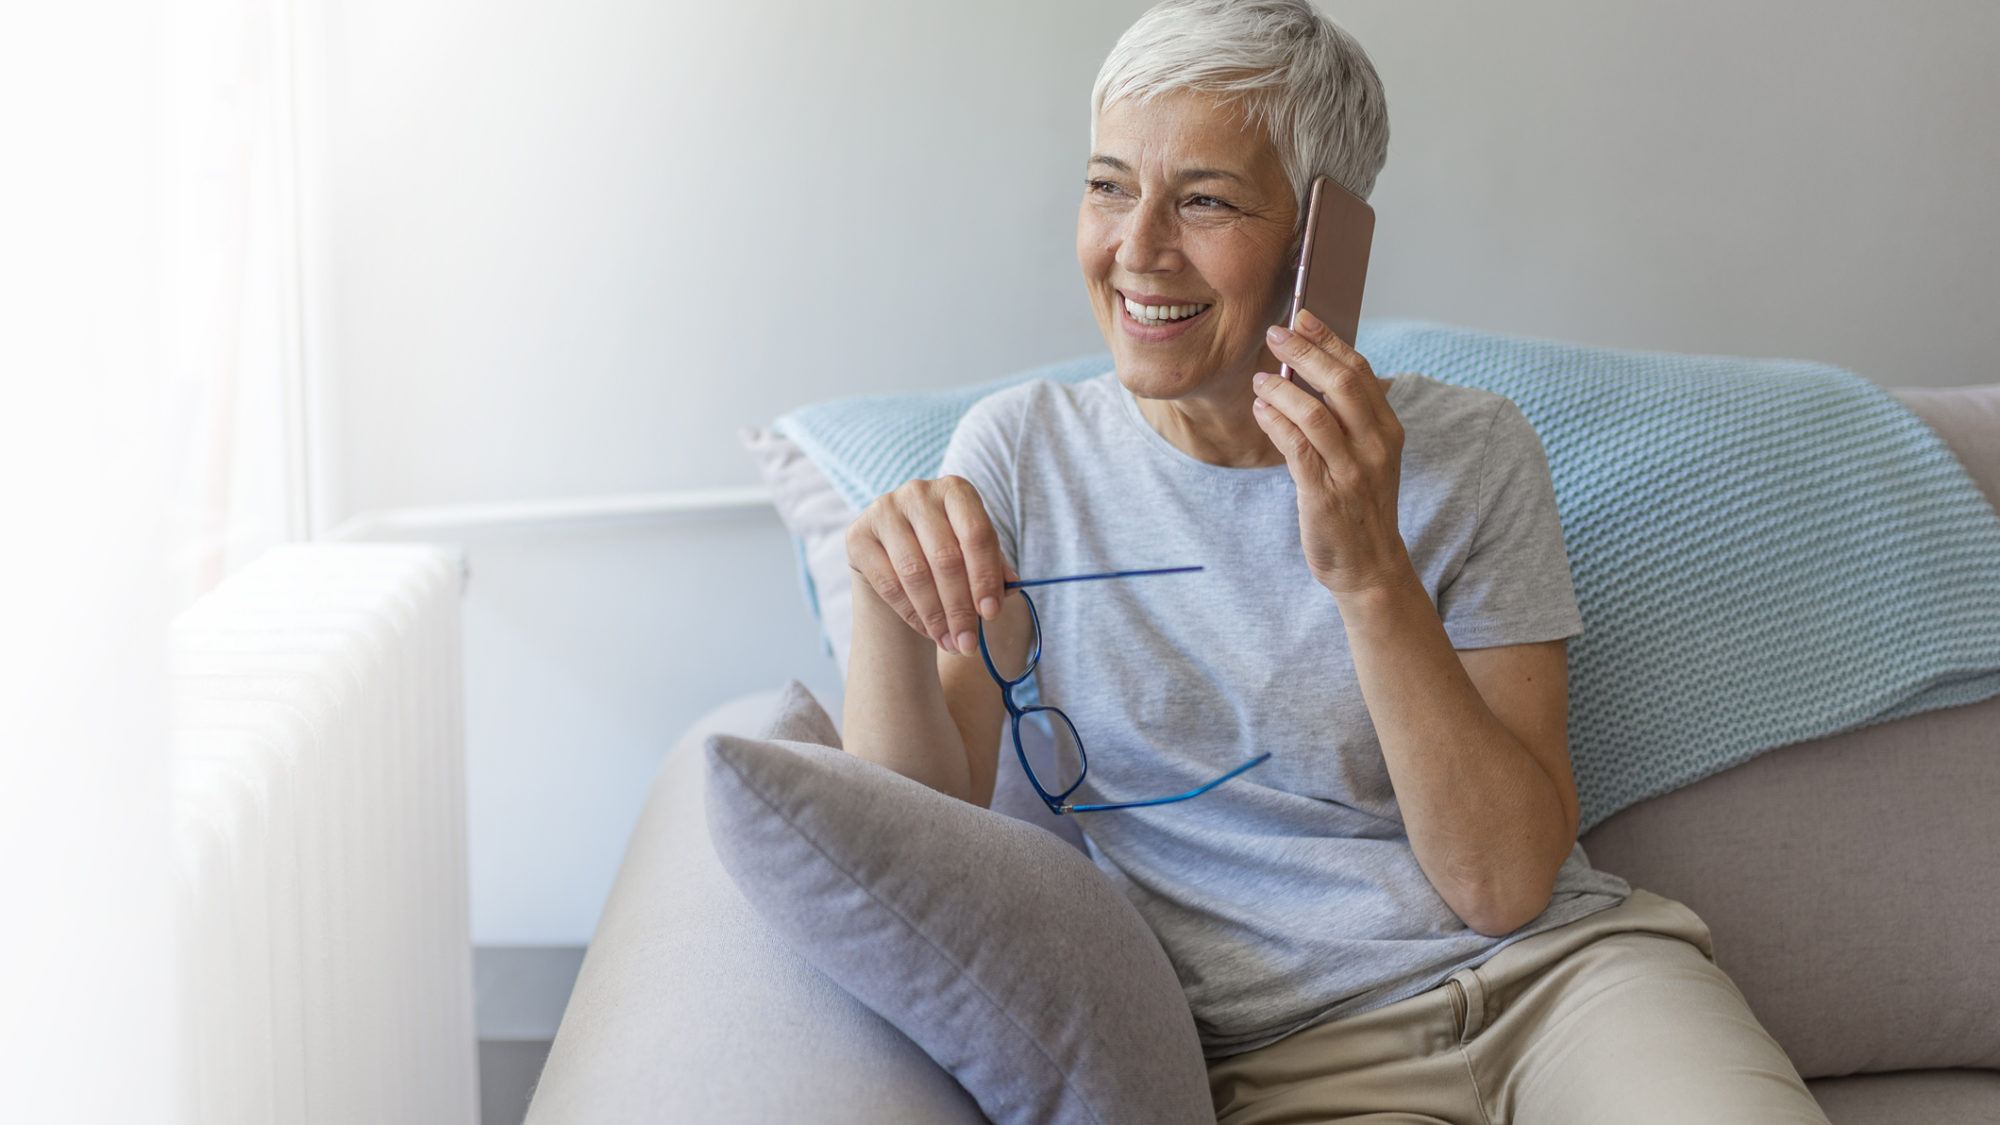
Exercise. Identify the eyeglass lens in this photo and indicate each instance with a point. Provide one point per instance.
(1012, 668)
(1054, 755)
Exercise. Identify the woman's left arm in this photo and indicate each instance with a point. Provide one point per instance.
(1486, 794)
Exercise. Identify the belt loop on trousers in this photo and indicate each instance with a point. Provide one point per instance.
(1475, 1003)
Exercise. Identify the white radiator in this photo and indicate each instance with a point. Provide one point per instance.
(320, 822)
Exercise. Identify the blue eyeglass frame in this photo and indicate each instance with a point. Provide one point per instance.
(1016, 713)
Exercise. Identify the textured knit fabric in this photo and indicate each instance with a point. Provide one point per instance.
(1290, 894)
(1766, 551)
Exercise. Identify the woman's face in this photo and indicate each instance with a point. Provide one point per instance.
(1185, 205)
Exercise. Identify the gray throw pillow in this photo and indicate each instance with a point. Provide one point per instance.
(995, 946)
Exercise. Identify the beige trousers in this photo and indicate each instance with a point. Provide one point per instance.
(1618, 1018)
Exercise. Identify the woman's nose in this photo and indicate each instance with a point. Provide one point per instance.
(1148, 237)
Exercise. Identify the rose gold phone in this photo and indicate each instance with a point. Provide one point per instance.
(1333, 263)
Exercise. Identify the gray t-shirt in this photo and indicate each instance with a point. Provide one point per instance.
(1288, 895)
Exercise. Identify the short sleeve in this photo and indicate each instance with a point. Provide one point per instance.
(982, 450)
(1515, 586)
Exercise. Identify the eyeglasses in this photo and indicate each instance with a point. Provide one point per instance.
(1016, 713)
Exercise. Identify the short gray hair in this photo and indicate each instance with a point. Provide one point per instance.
(1303, 78)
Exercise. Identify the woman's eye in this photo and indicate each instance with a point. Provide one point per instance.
(1202, 202)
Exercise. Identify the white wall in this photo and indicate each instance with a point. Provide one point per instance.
(1777, 178)
(568, 249)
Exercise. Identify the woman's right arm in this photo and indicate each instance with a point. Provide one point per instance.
(925, 558)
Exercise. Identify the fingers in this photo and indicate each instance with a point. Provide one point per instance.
(877, 571)
(910, 572)
(929, 550)
(1358, 424)
(1284, 433)
(949, 579)
(1353, 380)
(1313, 367)
(980, 544)
(1298, 422)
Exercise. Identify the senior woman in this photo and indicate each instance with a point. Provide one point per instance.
(1391, 917)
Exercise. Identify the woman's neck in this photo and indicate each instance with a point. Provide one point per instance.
(1216, 428)
(1213, 423)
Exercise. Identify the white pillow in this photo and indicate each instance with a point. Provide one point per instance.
(817, 518)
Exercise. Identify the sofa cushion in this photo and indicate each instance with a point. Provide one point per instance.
(1003, 952)
(1968, 419)
(1909, 1095)
(1852, 885)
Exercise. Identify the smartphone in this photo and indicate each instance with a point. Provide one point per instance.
(1333, 263)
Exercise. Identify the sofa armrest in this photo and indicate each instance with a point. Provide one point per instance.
(689, 1007)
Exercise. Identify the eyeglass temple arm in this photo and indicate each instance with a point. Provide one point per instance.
(1105, 574)
(1195, 792)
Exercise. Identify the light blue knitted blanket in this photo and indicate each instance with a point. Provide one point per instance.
(1765, 551)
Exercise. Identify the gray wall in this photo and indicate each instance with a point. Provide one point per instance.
(567, 249)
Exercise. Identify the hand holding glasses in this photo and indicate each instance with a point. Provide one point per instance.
(1057, 803)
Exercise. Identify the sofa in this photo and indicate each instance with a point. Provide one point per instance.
(1852, 884)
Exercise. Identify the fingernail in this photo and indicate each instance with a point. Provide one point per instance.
(967, 643)
(1309, 322)
(988, 607)
(944, 642)
(1262, 378)
(1278, 333)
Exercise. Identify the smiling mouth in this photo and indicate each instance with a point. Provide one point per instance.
(1162, 314)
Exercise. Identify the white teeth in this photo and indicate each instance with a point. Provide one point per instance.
(1160, 312)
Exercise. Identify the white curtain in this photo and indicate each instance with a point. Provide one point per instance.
(87, 974)
(234, 402)
(148, 411)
